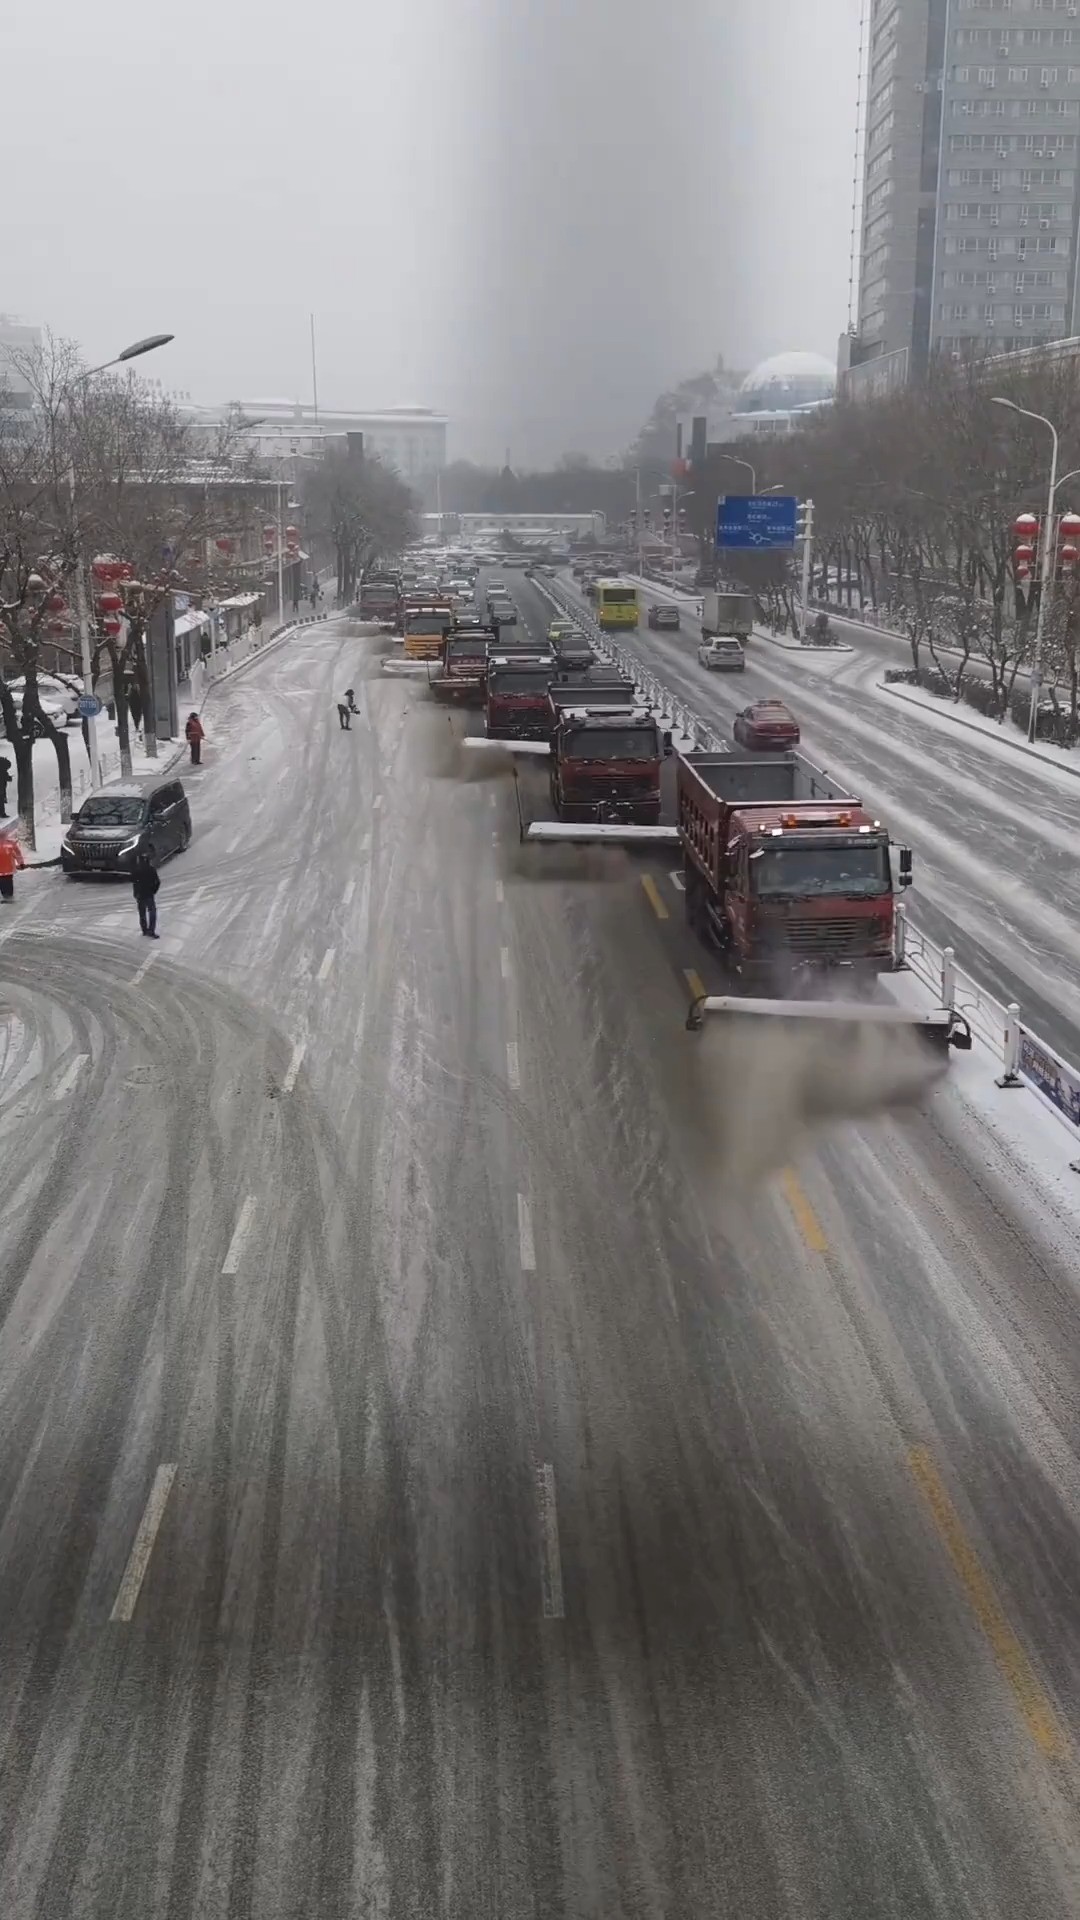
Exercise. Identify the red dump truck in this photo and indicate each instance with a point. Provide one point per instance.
(516, 695)
(463, 671)
(380, 601)
(783, 869)
(606, 755)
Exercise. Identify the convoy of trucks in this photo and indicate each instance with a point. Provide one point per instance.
(786, 876)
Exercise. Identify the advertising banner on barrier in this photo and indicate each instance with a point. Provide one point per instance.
(1060, 1083)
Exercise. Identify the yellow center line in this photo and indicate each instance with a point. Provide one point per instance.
(1038, 1714)
(694, 982)
(808, 1223)
(653, 897)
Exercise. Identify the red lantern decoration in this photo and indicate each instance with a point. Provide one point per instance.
(56, 627)
(56, 603)
(1025, 539)
(105, 567)
(1068, 553)
(112, 625)
(224, 545)
(110, 602)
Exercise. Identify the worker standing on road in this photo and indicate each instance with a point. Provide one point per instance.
(11, 860)
(344, 709)
(145, 881)
(5, 776)
(195, 734)
(353, 708)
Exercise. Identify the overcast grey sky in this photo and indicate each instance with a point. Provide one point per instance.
(533, 218)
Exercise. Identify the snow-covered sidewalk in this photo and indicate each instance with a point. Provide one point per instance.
(1004, 735)
(48, 827)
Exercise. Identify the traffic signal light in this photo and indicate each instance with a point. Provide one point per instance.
(804, 519)
(682, 516)
(667, 519)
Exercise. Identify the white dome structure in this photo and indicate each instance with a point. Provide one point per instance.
(787, 381)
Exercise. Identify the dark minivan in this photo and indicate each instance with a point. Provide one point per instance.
(117, 823)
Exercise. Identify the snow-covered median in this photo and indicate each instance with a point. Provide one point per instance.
(1025, 1144)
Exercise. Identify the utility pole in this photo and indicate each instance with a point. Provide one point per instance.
(314, 374)
(280, 557)
(807, 534)
(638, 524)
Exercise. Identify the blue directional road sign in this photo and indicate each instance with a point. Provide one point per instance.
(89, 706)
(757, 522)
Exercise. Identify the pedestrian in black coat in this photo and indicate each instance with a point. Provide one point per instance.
(145, 881)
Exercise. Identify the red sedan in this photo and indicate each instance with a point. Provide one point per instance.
(767, 723)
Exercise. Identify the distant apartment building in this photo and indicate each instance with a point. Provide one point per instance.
(970, 168)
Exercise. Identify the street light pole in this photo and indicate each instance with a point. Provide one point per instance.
(1035, 683)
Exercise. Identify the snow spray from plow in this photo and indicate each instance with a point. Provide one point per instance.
(765, 1086)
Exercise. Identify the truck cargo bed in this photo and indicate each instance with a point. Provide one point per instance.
(761, 782)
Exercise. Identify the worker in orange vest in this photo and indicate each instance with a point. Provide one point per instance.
(11, 859)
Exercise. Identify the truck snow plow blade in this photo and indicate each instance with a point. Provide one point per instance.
(941, 1026)
(507, 746)
(586, 831)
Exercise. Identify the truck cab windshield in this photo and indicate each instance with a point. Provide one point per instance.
(612, 743)
(860, 867)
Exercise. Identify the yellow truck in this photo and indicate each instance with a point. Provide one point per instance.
(425, 625)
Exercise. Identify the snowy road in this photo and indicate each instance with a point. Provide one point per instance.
(995, 831)
(426, 1489)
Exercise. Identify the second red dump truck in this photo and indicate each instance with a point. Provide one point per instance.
(606, 754)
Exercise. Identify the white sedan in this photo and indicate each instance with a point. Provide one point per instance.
(727, 655)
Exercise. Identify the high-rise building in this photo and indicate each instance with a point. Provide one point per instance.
(970, 171)
(19, 345)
